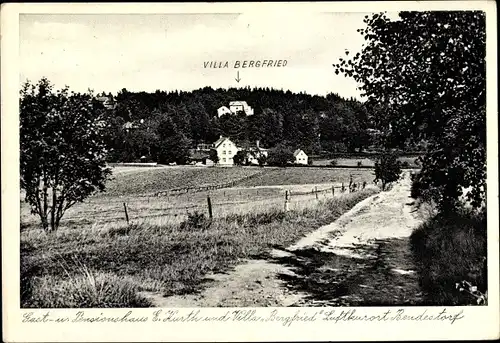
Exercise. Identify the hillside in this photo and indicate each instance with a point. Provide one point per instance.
(142, 124)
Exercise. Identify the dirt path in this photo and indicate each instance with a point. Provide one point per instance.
(361, 259)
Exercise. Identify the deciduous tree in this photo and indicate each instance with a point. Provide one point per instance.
(427, 71)
(62, 149)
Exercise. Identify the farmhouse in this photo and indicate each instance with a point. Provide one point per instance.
(226, 150)
(300, 157)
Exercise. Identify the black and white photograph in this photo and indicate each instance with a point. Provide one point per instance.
(257, 159)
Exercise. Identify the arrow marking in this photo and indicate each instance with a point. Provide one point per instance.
(238, 77)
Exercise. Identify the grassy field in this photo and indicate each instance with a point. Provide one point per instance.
(159, 179)
(310, 176)
(265, 190)
(96, 260)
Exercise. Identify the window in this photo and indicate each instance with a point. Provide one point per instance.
(224, 145)
(223, 160)
(224, 152)
(229, 152)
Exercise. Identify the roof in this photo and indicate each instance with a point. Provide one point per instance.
(233, 103)
(198, 155)
(298, 152)
(223, 107)
(220, 140)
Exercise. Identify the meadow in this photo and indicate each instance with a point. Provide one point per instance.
(96, 259)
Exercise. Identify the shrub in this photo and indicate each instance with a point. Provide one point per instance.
(239, 158)
(119, 230)
(359, 163)
(334, 162)
(280, 156)
(213, 156)
(196, 221)
(405, 164)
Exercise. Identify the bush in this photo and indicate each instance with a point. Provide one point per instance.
(196, 221)
(334, 162)
(451, 249)
(280, 156)
(239, 158)
(405, 164)
(213, 156)
(359, 164)
(119, 230)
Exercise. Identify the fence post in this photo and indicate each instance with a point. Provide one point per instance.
(126, 212)
(364, 184)
(316, 191)
(209, 202)
(286, 200)
(343, 188)
(333, 191)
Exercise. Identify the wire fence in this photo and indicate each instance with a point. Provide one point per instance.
(213, 201)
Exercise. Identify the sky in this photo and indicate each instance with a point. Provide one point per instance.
(146, 52)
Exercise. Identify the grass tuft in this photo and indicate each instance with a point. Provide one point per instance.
(87, 289)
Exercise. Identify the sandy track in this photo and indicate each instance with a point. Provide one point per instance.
(372, 236)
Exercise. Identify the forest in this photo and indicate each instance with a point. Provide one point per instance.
(162, 126)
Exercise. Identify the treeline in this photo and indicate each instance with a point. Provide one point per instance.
(162, 126)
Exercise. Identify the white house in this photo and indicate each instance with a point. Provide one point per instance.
(223, 110)
(240, 106)
(300, 157)
(226, 150)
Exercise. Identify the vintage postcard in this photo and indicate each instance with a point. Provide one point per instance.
(249, 171)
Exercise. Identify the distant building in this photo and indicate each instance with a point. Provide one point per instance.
(130, 126)
(240, 106)
(255, 153)
(107, 101)
(223, 110)
(204, 146)
(235, 107)
(300, 157)
(198, 156)
(226, 150)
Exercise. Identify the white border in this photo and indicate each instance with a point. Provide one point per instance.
(479, 323)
